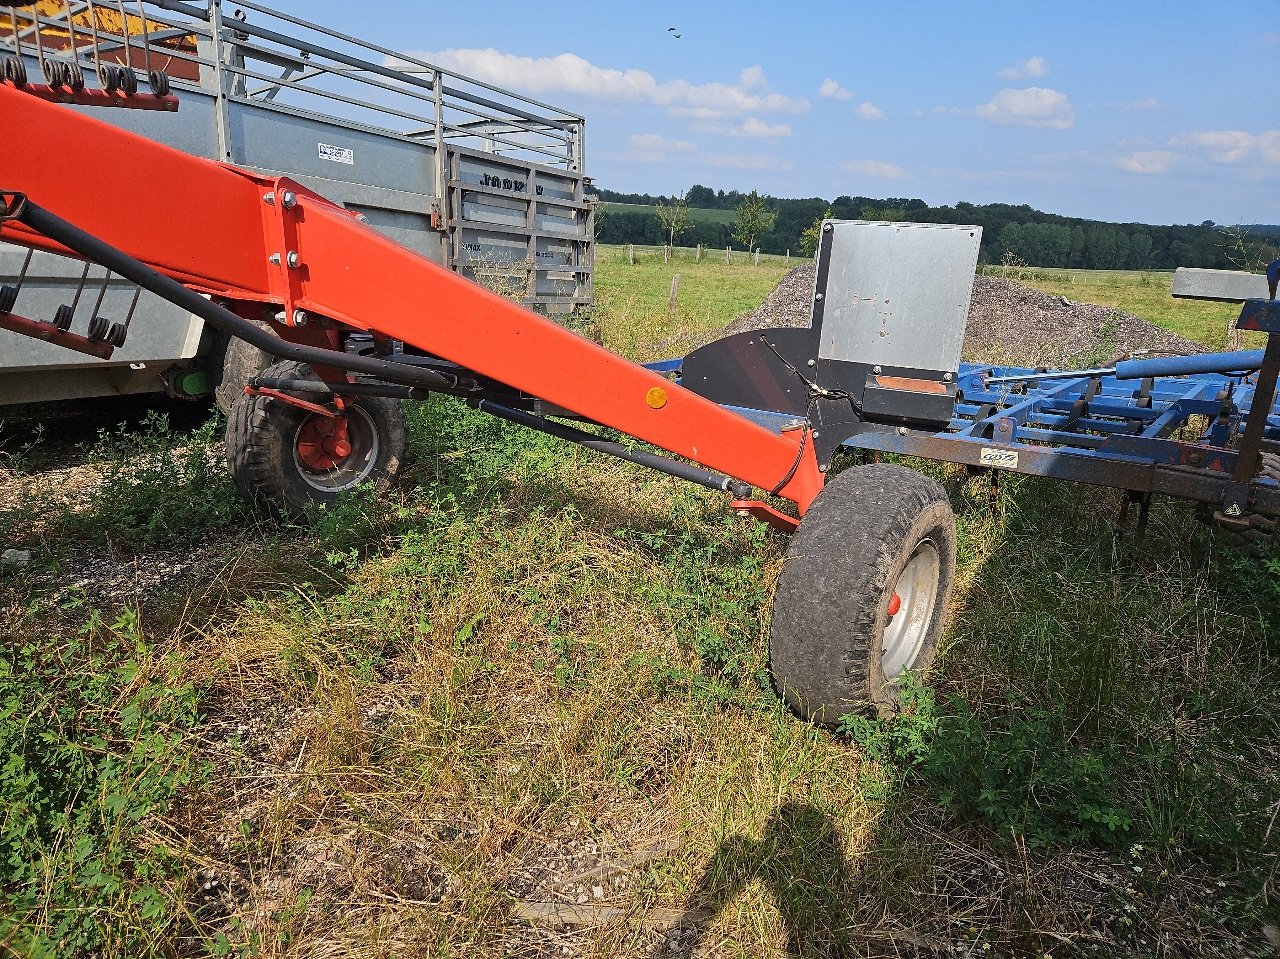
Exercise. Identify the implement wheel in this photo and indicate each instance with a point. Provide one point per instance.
(863, 593)
(284, 457)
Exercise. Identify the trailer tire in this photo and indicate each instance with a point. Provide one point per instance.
(278, 453)
(875, 532)
(1260, 535)
(233, 365)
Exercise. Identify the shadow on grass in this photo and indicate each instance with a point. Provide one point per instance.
(800, 859)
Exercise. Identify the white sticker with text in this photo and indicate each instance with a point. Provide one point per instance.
(1000, 459)
(337, 154)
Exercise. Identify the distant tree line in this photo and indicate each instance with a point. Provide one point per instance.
(1009, 233)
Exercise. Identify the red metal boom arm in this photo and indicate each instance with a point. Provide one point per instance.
(230, 233)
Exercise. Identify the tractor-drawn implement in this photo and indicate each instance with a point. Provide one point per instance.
(361, 323)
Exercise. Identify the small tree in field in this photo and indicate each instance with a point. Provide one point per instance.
(674, 217)
(812, 234)
(754, 219)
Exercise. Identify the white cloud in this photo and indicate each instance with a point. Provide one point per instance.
(747, 161)
(874, 168)
(917, 112)
(654, 148)
(1030, 107)
(570, 73)
(752, 127)
(1147, 103)
(1234, 146)
(1148, 161)
(1271, 39)
(833, 91)
(869, 111)
(752, 78)
(1031, 68)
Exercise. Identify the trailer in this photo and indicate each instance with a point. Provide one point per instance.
(362, 323)
(484, 181)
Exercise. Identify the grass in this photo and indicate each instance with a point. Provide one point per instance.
(1145, 294)
(381, 733)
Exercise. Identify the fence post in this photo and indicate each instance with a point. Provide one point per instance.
(757, 259)
(699, 252)
(671, 303)
(631, 254)
(728, 255)
(788, 258)
(666, 253)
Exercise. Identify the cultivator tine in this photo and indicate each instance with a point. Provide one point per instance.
(63, 72)
(57, 330)
(8, 293)
(14, 70)
(119, 332)
(100, 326)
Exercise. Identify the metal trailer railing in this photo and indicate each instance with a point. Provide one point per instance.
(485, 181)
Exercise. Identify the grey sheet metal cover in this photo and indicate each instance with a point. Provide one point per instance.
(897, 294)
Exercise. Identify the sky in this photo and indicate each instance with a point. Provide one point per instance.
(1125, 111)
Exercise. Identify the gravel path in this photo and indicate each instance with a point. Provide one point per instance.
(1008, 323)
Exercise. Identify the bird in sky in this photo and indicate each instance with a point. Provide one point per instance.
(672, 30)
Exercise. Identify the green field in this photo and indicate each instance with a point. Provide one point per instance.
(519, 706)
(1143, 294)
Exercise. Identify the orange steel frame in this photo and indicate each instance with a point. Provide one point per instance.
(228, 233)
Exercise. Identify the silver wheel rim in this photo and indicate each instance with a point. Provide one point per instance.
(355, 468)
(917, 590)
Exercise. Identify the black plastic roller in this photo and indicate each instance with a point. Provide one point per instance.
(128, 80)
(99, 327)
(159, 81)
(117, 334)
(109, 77)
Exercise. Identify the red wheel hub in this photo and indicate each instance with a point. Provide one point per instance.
(323, 443)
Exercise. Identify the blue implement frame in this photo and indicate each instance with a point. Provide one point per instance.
(1179, 431)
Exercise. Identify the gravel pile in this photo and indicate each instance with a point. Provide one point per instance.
(1008, 323)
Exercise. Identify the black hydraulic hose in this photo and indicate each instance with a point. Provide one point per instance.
(391, 390)
(662, 464)
(95, 250)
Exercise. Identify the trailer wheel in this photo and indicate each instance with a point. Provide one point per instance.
(1260, 535)
(233, 364)
(863, 592)
(284, 457)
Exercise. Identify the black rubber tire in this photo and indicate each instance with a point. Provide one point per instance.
(262, 433)
(232, 365)
(831, 606)
(1260, 536)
